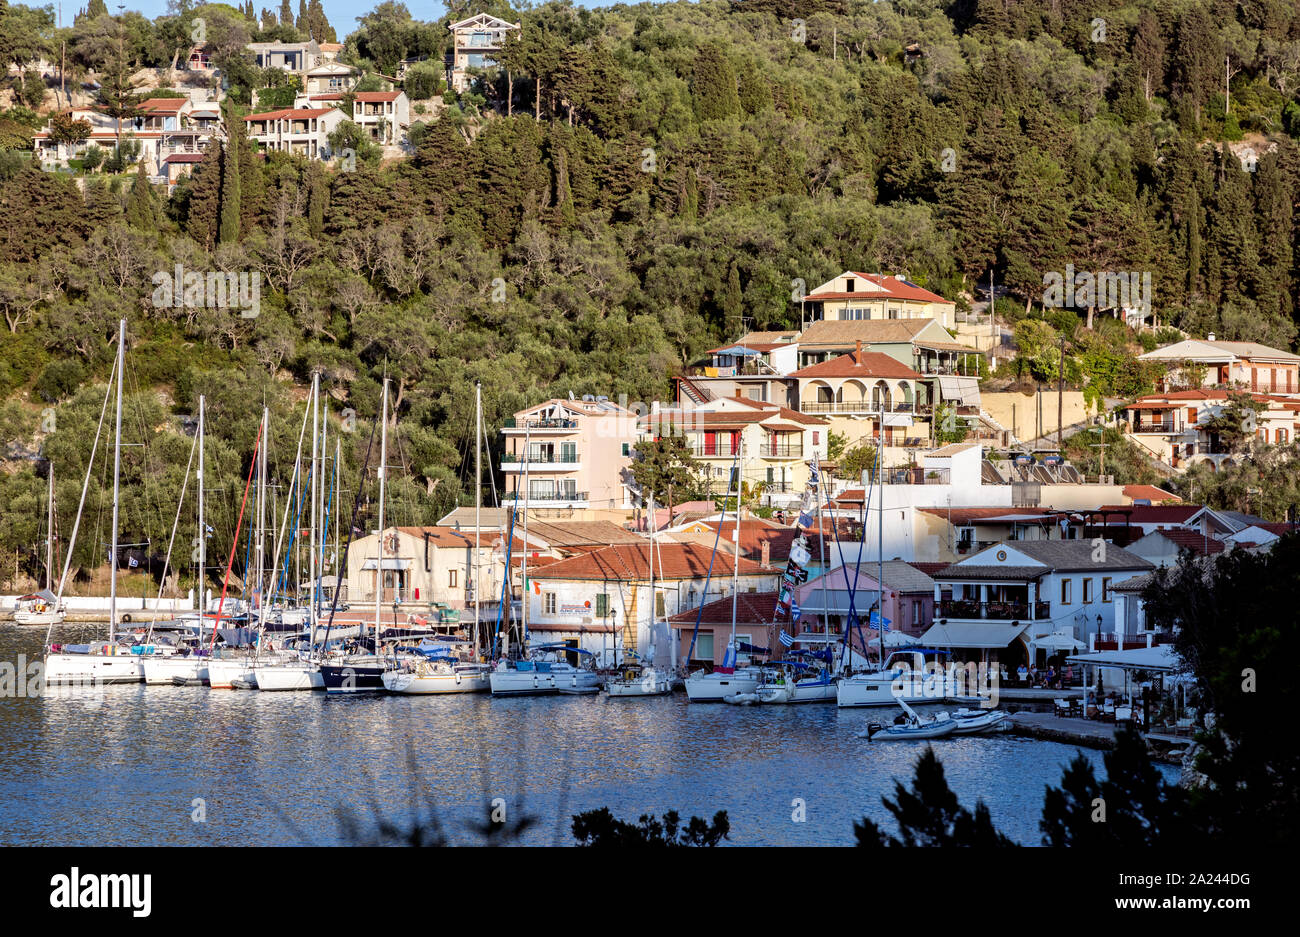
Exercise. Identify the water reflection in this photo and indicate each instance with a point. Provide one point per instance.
(272, 768)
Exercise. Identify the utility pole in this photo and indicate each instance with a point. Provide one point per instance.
(1060, 401)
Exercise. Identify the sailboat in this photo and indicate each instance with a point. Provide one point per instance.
(300, 670)
(728, 679)
(43, 607)
(643, 678)
(445, 672)
(107, 661)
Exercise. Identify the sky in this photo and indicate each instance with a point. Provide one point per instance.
(342, 14)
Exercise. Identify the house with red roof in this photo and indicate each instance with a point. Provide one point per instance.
(385, 115)
(302, 131)
(602, 600)
(1175, 426)
(875, 296)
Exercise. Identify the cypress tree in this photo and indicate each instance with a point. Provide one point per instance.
(316, 194)
(714, 84)
(142, 206)
(205, 198)
(286, 13)
(229, 231)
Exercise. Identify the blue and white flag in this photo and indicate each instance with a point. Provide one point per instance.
(794, 611)
(785, 639)
(874, 622)
(131, 562)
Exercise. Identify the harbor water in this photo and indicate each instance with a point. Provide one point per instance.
(130, 765)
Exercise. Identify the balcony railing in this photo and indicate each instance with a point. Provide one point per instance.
(712, 452)
(1148, 427)
(545, 495)
(858, 406)
(543, 458)
(995, 611)
(780, 451)
(512, 423)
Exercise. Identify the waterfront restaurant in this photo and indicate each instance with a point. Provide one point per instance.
(1025, 601)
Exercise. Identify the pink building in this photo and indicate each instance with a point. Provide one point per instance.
(575, 455)
(909, 599)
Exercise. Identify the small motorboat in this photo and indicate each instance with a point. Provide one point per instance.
(775, 693)
(741, 699)
(978, 722)
(912, 726)
(244, 682)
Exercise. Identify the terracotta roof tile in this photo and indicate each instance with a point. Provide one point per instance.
(627, 562)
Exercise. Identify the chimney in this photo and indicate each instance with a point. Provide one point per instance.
(857, 357)
(767, 553)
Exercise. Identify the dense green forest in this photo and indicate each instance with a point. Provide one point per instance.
(665, 174)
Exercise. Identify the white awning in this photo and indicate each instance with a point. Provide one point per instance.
(1059, 641)
(963, 389)
(973, 634)
(388, 564)
(898, 419)
(1161, 657)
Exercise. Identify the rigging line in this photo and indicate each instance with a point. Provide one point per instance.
(722, 521)
(852, 587)
(85, 487)
(234, 543)
(280, 534)
(162, 582)
(347, 545)
(146, 440)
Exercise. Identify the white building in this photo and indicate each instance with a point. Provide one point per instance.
(475, 44)
(385, 115)
(300, 131)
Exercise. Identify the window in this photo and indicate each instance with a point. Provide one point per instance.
(1065, 591)
(548, 603)
(660, 605)
(627, 448)
(916, 612)
(602, 605)
(1105, 588)
(451, 578)
(703, 646)
(848, 284)
(816, 437)
(1087, 590)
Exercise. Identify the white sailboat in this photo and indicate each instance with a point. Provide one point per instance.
(448, 674)
(103, 662)
(644, 678)
(727, 680)
(301, 671)
(44, 607)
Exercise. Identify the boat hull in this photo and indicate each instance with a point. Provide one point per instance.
(92, 669)
(353, 678)
(989, 721)
(930, 730)
(656, 684)
(417, 684)
(221, 671)
(39, 618)
(159, 671)
(715, 688)
(525, 683)
(287, 677)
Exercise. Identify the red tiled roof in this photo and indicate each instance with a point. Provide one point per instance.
(1191, 540)
(156, 105)
(892, 288)
(930, 568)
(1149, 493)
(628, 561)
(1145, 513)
(290, 112)
(752, 608)
(374, 96)
(184, 158)
(971, 515)
(859, 364)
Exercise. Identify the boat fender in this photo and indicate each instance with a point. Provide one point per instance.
(126, 619)
(534, 681)
(457, 679)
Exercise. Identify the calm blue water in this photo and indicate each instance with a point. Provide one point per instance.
(274, 768)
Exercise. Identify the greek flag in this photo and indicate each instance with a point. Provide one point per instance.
(874, 622)
(131, 562)
(794, 610)
(785, 639)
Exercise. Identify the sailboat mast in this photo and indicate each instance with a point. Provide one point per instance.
(261, 512)
(523, 636)
(315, 482)
(880, 529)
(321, 536)
(203, 530)
(735, 539)
(117, 481)
(49, 534)
(478, 499)
(383, 471)
(653, 625)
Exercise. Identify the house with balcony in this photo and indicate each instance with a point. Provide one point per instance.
(425, 566)
(164, 127)
(297, 58)
(302, 131)
(569, 458)
(1176, 427)
(1237, 365)
(908, 603)
(1027, 600)
(385, 115)
(869, 388)
(330, 78)
(778, 443)
(476, 42)
(602, 600)
(865, 296)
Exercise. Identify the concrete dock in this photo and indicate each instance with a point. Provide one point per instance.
(1085, 732)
